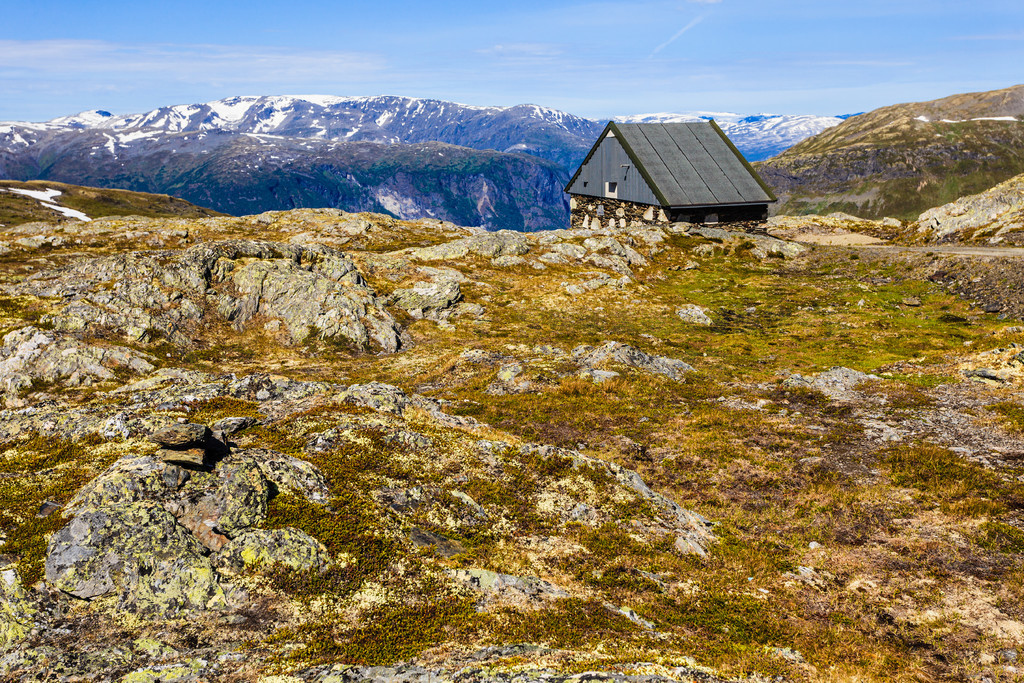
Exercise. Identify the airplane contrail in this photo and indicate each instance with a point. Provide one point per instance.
(677, 35)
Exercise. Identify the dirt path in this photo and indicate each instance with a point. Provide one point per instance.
(952, 250)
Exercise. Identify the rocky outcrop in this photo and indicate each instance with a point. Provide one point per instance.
(303, 289)
(992, 216)
(589, 357)
(29, 355)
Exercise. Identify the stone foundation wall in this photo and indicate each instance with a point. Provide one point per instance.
(594, 213)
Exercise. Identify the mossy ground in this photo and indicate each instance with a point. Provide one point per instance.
(838, 546)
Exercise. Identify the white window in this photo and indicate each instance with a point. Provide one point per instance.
(611, 190)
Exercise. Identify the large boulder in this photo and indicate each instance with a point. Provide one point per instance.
(144, 530)
(137, 551)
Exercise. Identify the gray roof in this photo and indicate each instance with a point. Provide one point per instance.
(689, 164)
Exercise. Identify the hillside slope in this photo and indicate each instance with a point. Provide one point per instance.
(44, 201)
(901, 160)
(247, 173)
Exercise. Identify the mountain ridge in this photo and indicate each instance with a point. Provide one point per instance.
(903, 159)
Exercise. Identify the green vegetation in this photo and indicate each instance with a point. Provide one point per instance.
(1011, 414)
(33, 471)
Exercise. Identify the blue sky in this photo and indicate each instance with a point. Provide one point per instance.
(595, 59)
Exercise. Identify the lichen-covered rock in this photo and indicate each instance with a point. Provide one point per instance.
(694, 314)
(308, 288)
(130, 479)
(29, 354)
(836, 383)
(319, 300)
(288, 473)
(616, 352)
(612, 246)
(191, 671)
(427, 299)
(509, 587)
(18, 611)
(137, 551)
(763, 246)
(383, 398)
(265, 547)
(489, 245)
(236, 501)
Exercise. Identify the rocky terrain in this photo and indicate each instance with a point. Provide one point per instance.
(995, 216)
(903, 159)
(318, 446)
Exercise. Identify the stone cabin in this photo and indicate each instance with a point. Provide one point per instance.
(666, 172)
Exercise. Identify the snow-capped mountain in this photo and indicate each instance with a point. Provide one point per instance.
(526, 129)
(759, 136)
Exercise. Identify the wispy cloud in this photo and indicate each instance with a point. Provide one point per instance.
(678, 34)
(190, 63)
(994, 36)
(523, 53)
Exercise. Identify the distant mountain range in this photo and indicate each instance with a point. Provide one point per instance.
(500, 167)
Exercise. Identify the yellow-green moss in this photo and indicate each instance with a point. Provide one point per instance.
(1012, 415)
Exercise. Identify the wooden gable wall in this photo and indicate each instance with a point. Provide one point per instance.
(609, 162)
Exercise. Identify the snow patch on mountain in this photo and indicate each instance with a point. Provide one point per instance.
(46, 198)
